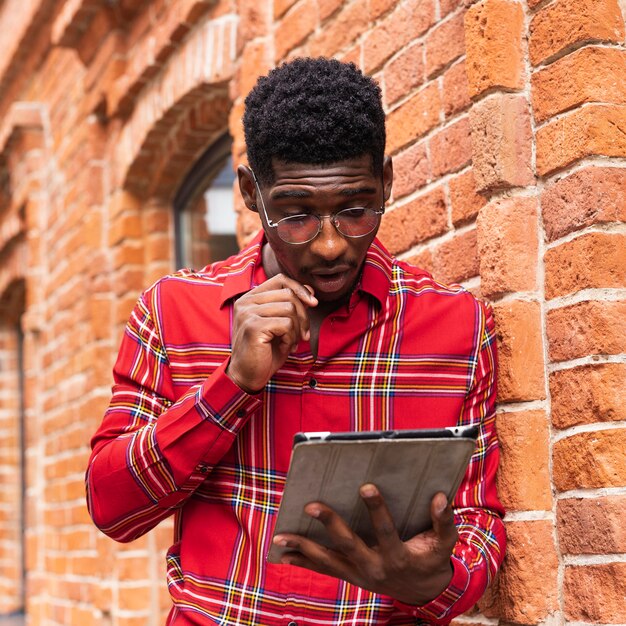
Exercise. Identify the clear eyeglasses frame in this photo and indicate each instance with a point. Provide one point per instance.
(353, 222)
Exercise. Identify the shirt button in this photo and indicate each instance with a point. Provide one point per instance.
(240, 413)
(292, 624)
(204, 469)
(312, 384)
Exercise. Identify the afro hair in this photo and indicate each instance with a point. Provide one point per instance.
(313, 111)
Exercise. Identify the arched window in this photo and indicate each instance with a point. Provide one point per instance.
(205, 219)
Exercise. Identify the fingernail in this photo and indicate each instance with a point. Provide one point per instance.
(280, 541)
(315, 512)
(368, 491)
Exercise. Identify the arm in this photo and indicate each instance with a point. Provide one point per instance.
(448, 567)
(150, 453)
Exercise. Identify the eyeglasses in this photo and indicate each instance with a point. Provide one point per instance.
(298, 229)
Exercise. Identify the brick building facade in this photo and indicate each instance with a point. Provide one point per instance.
(507, 123)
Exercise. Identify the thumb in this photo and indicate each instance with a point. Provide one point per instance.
(443, 519)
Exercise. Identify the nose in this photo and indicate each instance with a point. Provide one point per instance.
(329, 244)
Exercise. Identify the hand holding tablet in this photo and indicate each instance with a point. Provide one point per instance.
(407, 467)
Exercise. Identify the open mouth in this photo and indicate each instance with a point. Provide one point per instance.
(330, 282)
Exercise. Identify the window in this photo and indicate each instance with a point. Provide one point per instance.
(205, 218)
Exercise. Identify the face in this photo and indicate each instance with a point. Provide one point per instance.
(331, 262)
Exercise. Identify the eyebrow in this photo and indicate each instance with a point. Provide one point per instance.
(302, 193)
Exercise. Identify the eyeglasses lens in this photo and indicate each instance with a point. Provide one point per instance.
(355, 222)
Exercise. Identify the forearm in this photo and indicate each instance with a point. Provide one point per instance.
(139, 474)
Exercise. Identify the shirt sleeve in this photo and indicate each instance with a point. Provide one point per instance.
(151, 453)
(478, 513)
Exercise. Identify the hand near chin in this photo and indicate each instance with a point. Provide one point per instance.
(268, 323)
(414, 571)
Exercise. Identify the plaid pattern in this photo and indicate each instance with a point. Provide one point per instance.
(180, 438)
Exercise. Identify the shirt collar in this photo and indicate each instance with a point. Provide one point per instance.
(247, 271)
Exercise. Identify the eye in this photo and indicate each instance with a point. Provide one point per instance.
(353, 213)
(296, 220)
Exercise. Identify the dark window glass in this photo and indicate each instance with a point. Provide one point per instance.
(204, 209)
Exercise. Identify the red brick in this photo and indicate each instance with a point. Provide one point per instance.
(451, 148)
(255, 62)
(456, 260)
(125, 226)
(588, 75)
(463, 197)
(423, 259)
(295, 27)
(353, 55)
(411, 170)
(521, 369)
(404, 73)
(592, 525)
(590, 460)
(380, 7)
(594, 130)
(587, 394)
(566, 22)
(508, 245)
(502, 142)
(585, 328)
(594, 195)
(523, 475)
(525, 591)
(328, 7)
(415, 221)
(444, 44)
(408, 21)
(595, 593)
(281, 7)
(447, 6)
(594, 260)
(413, 118)
(455, 91)
(342, 31)
(135, 598)
(495, 58)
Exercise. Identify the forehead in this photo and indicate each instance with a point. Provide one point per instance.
(349, 176)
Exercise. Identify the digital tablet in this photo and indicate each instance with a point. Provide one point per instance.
(408, 466)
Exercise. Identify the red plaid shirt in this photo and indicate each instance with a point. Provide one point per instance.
(181, 438)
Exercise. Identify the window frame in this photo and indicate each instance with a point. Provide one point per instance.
(195, 184)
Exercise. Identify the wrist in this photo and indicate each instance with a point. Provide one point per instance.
(430, 588)
(237, 380)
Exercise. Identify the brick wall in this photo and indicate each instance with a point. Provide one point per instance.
(507, 123)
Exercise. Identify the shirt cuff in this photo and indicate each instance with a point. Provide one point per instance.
(437, 610)
(222, 401)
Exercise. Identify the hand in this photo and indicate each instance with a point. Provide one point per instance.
(414, 571)
(268, 323)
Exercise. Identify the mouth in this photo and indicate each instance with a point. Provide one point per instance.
(331, 280)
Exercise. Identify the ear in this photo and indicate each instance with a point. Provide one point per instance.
(247, 187)
(387, 177)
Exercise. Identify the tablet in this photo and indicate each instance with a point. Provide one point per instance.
(408, 466)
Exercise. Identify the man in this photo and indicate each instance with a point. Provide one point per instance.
(313, 327)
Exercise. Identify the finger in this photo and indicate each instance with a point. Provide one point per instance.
(254, 313)
(442, 518)
(287, 303)
(342, 537)
(306, 553)
(382, 522)
(280, 281)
